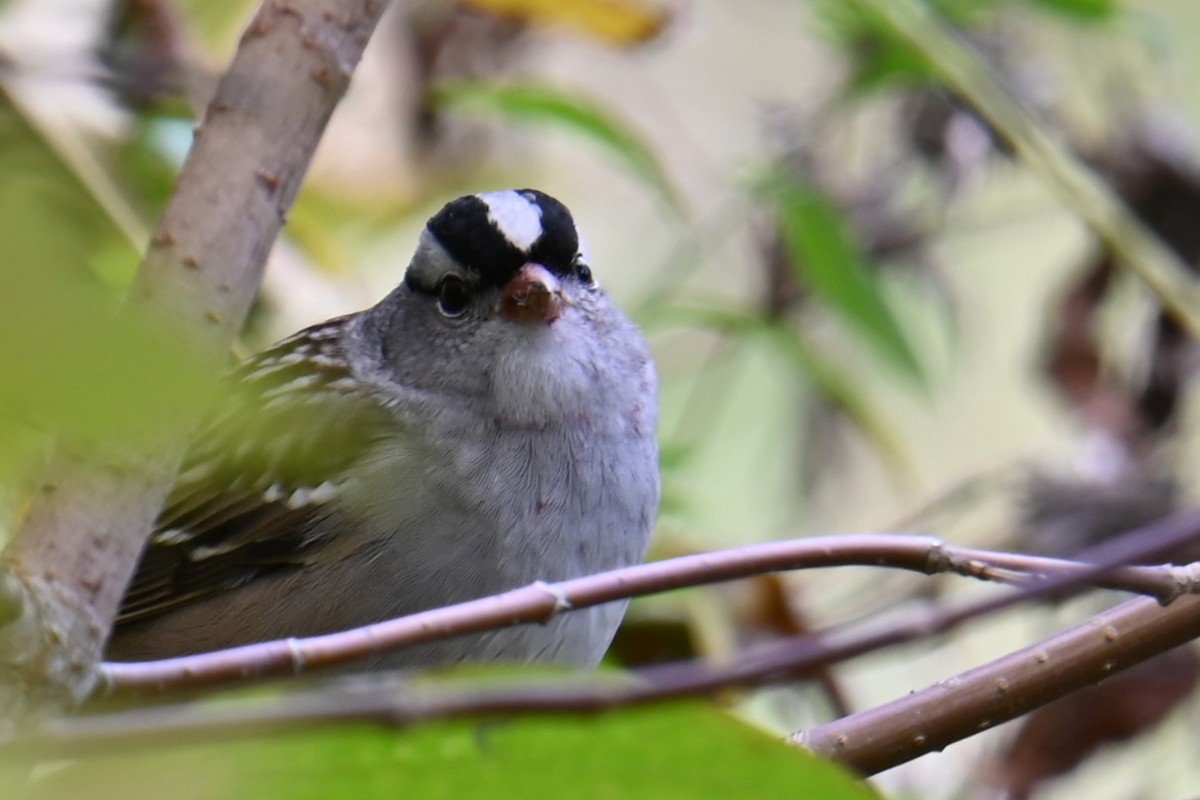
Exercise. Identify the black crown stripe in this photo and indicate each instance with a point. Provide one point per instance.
(468, 234)
(464, 229)
(559, 243)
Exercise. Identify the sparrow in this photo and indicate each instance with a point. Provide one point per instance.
(489, 423)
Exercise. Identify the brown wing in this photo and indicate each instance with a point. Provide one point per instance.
(258, 481)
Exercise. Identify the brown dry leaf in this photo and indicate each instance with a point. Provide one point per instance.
(1158, 179)
(624, 23)
(1075, 363)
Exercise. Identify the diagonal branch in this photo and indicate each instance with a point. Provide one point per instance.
(958, 707)
(65, 570)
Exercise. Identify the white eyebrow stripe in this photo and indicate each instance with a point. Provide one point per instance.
(517, 217)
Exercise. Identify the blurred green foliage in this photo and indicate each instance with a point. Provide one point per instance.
(826, 260)
(73, 366)
(1081, 10)
(881, 60)
(675, 751)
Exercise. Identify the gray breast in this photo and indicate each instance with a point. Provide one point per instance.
(493, 512)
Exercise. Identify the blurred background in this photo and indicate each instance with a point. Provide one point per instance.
(867, 315)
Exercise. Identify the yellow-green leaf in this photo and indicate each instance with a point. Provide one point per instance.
(619, 22)
(681, 751)
(823, 255)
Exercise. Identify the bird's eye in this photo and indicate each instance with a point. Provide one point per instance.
(453, 296)
(583, 272)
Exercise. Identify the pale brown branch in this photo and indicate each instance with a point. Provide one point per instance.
(72, 557)
(960, 706)
(538, 602)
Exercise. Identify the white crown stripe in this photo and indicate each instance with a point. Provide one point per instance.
(517, 217)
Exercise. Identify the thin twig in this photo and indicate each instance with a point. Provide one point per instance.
(1133, 631)
(538, 602)
(951, 710)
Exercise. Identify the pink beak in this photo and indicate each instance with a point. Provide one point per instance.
(533, 295)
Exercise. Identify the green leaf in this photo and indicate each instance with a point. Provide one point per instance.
(879, 57)
(1082, 10)
(679, 751)
(545, 105)
(826, 261)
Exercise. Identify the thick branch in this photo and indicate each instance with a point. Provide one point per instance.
(77, 548)
(958, 707)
